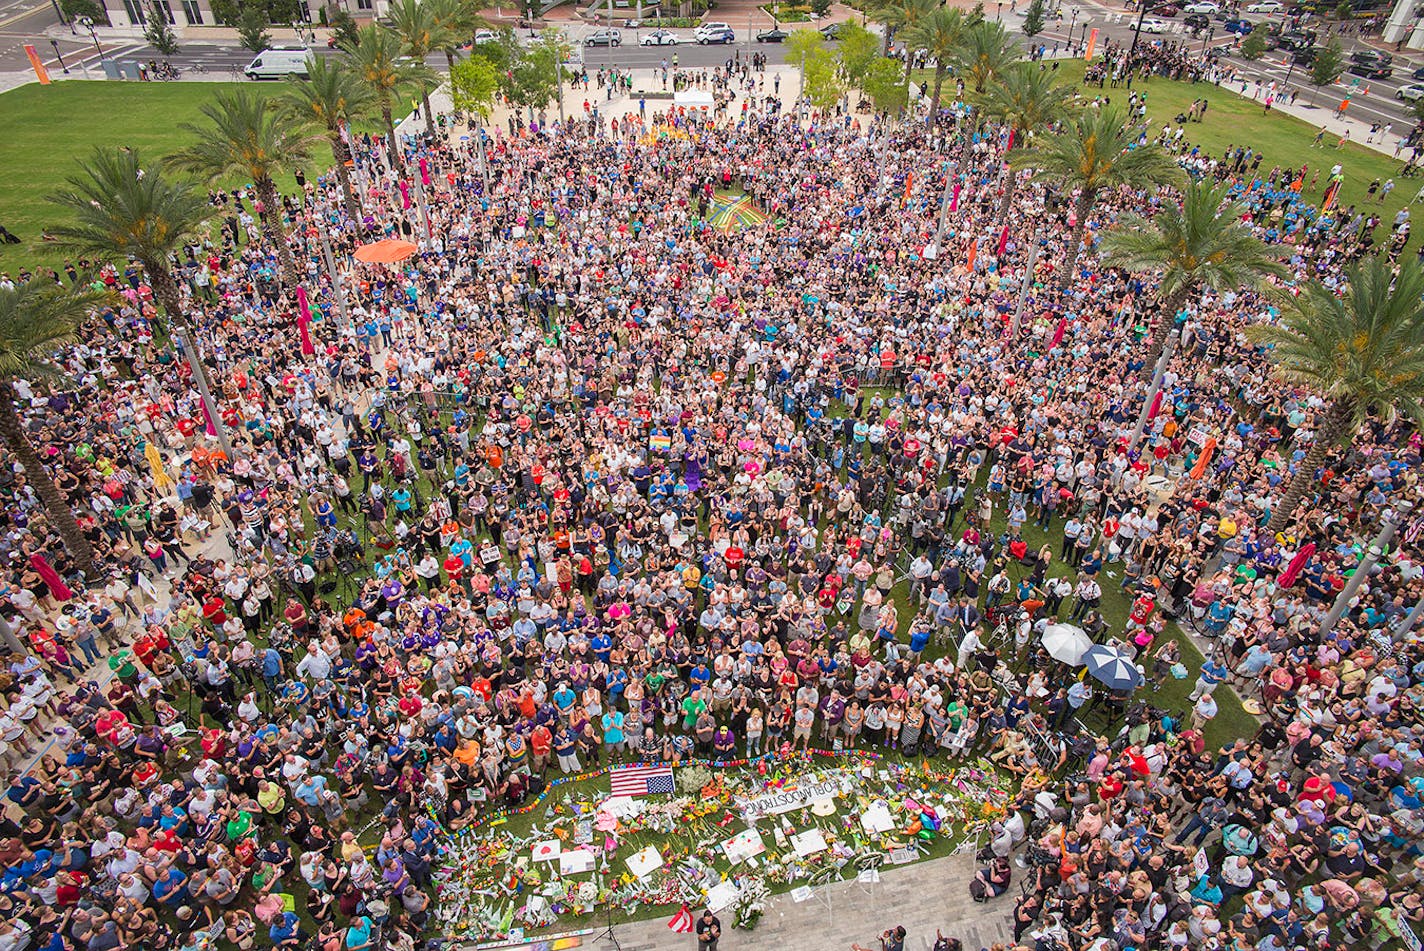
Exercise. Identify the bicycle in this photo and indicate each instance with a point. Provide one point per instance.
(198, 69)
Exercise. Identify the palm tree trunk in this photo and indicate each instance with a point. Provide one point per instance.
(1011, 183)
(1075, 243)
(1163, 328)
(449, 60)
(342, 155)
(272, 226)
(391, 148)
(160, 277)
(940, 70)
(61, 516)
(1337, 420)
(429, 117)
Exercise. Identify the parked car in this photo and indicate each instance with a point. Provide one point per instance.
(1197, 21)
(1167, 11)
(1265, 6)
(1203, 6)
(486, 36)
(1239, 27)
(774, 35)
(1418, 73)
(1303, 56)
(1295, 41)
(1151, 25)
(832, 31)
(721, 35)
(659, 38)
(1410, 93)
(604, 38)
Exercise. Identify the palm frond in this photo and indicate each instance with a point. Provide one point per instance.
(120, 208)
(37, 318)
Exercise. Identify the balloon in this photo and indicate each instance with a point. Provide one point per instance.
(927, 834)
(915, 827)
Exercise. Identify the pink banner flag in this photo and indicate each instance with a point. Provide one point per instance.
(425, 172)
(1003, 240)
(405, 195)
(954, 198)
(1156, 406)
(304, 318)
(208, 423)
(1058, 331)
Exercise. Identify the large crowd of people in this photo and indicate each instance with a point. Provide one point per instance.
(586, 480)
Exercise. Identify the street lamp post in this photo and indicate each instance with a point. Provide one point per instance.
(1072, 22)
(88, 24)
(1137, 30)
(58, 55)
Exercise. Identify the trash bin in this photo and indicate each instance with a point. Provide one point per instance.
(130, 69)
(111, 70)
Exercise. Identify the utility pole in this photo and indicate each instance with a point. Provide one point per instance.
(1410, 619)
(943, 210)
(1152, 391)
(336, 287)
(420, 203)
(200, 380)
(1371, 558)
(1024, 285)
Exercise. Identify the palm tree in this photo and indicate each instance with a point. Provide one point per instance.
(1362, 352)
(122, 210)
(378, 61)
(36, 319)
(458, 21)
(330, 98)
(905, 16)
(899, 14)
(1096, 150)
(987, 52)
(939, 35)
(1202, 244)
(1025, 99)
(247, 140)
(422, 32)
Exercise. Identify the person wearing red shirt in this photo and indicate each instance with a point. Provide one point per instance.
(410, 704)
(482, 686)
(541, 745)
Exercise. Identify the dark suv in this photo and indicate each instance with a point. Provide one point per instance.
(1197, 22)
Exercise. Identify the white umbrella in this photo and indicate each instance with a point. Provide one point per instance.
(1066, 643)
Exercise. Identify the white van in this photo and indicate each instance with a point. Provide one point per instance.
(279, 62)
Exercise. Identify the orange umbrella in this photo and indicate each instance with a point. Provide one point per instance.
(388, 251)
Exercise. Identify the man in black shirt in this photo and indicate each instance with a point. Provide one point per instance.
(709, 929)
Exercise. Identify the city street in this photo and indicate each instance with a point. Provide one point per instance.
(36, 21)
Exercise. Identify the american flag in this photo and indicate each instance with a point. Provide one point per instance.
(682, 921)
(642, 780)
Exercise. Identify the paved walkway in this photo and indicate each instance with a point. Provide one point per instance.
(923, 897)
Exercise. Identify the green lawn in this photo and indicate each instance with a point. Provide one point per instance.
(50, 129)
(1232, 120)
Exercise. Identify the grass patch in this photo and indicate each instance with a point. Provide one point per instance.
(49, 130)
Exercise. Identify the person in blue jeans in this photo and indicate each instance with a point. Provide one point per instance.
(1209, 815)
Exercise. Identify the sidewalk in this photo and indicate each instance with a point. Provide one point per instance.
(923, 896)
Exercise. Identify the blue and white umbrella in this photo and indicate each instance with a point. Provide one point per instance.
(1114, 668)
